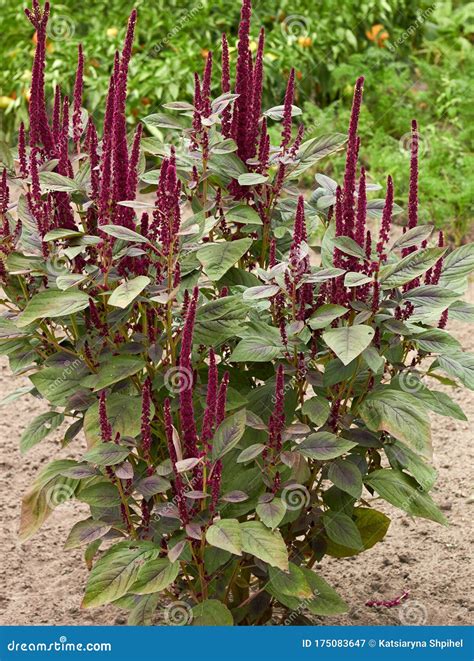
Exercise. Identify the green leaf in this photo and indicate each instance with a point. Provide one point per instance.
(218, 258)
(324, 446)
(116, 571)
(413, 237)
(49, 489)
(410, 267)
(155, 575)
(401, 415)
(346, 476)
(404, 492)
(228, 434)
(326, 314)
(52, 181)
(262, 291)
(462, 311)
(341, 529)
(142, 613)
(52, 303)
(85, 532)
(102, 494)
(257, 350)
(107, 454)
(251, 179)
(117, 368)
(122, 414)
(58, 384)
(349, 247)
(264, 544)
(292, 583)
(123, 233)
(402, 457)
(459, 365)
(348, 342)
(220, 320)
(375, 208)
(356, 279)
(372, 526)
(57, 234)
(272, 513)
(321, 146)
(128, 291)
(436, 340)
(250, 453)
(211, 613)
(458, 263)
(325, 600)
(317, 409)
(243, 214)
(431, 296)
(39, 428)
(225, 534)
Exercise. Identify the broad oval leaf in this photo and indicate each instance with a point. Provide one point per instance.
(128, 291)
(348, 342)
(226, 535)
(265, 544)
(228, 434)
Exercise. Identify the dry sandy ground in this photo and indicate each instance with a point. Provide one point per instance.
(40, 583)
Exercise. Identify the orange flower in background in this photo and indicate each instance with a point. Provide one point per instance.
(377, 34)
(305, 42)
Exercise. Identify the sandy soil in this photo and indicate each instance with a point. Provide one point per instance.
(40, 583)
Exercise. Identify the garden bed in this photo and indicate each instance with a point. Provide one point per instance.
(43, 584)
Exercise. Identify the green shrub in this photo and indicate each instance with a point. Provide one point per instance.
(241, 401)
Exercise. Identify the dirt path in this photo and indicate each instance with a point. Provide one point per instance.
(40, 583)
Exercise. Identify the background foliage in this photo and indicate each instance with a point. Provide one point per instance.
(417, 57)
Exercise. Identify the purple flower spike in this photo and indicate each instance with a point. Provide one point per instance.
(22, 151)
(146, 421)
(104, 424)
(186, 408)
(361, 210)
(287, 112)
(386, 224)
(242, 105)
(222, 399)
(211, 400)
(78, 91)
(413, 194)
(351, 161)
(225, 88)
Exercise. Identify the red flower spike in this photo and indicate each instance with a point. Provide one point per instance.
(78, 91)
(351, 161)
(104, 424)
(386, 224)
(288, 112)
(186, 409)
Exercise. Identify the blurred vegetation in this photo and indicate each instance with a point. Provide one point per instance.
(417, 57)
